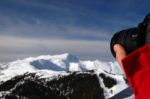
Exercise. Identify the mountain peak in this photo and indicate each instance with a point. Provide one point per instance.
(49, 66)
(67, 57)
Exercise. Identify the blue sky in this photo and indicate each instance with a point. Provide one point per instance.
(81, 27)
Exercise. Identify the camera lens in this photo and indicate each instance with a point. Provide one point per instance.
(132, 38)
(127, 38)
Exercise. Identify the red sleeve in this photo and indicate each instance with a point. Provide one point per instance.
(137, 69)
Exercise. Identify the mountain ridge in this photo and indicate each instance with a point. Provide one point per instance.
(51, 66)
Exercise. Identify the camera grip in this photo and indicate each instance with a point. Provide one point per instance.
(147, 40)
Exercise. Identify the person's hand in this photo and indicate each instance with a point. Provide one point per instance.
(120, 54)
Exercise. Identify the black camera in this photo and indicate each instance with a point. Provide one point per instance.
(132, 38)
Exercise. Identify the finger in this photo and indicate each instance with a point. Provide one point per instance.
(120, 53)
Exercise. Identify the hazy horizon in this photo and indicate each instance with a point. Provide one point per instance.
(80, 27)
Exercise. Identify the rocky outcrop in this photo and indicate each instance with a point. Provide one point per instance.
(73, 86)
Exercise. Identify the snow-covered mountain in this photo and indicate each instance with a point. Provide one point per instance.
(48, 66)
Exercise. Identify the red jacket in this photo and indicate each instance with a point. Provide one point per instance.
(137, 69)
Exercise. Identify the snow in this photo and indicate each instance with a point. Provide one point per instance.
(52, 65)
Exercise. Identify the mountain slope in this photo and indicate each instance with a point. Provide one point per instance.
(50, 67)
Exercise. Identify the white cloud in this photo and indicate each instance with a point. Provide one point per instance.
(18, 46)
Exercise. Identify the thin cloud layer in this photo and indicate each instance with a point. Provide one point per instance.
(48, 18)
(80, 27)
(33, 47)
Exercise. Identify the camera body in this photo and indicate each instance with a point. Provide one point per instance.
(132, 38)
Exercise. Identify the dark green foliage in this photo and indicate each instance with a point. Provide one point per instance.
(108, 81)
(73, 86)
(11, 83)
